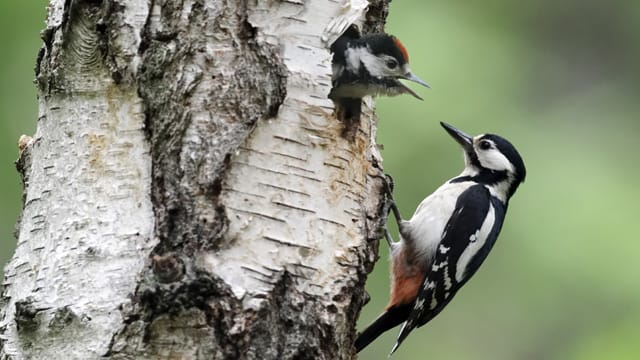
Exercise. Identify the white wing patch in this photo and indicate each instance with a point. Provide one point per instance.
(429, 285)
(434, 302)
(444, 249)
(479, 239)
(447, 279)
(437, 267)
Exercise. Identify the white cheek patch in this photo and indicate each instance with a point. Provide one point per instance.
(353, 56)
(494, 160)
(375, 65)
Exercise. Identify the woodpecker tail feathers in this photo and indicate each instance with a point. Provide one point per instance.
(391, 318)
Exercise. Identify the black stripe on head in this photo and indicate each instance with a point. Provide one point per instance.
(484, 176)
(473, 158)
(510, 152)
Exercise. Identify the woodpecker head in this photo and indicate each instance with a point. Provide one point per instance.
(491, 160)
(371, 65)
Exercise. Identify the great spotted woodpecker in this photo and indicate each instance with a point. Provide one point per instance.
(449, 235)
(373, 65)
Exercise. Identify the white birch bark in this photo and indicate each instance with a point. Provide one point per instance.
(188, 193)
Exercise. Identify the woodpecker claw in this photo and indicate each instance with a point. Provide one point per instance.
(389, 184)
(391, 202)
(396, 213)
(388, 207)
(389, 238)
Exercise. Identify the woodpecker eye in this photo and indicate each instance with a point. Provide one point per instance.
(485, 145)
(392, 63)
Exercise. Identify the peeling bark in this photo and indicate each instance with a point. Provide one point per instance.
(188, 193)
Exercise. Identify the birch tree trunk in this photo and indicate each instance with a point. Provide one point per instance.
(188, 194)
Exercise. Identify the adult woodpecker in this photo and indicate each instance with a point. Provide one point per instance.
(449, 235)
(373, 65)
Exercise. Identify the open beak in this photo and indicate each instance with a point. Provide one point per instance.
(463, 139)
(411, 77)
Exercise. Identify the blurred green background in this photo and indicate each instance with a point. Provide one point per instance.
(561, 80)
(20, 25)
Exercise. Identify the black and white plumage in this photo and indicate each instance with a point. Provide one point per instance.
(449, 236)
(365, 65)
(372, 64)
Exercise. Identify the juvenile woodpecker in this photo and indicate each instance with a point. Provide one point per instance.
(373, 65)
(449, 235)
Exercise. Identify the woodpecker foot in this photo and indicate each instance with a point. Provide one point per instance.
(387, 236)
(390, 204)
(389, 184)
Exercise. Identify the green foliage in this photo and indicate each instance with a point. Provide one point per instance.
(561, 81)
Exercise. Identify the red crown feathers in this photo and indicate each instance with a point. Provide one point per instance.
(403, 50)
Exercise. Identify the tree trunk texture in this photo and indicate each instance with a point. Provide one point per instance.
(188, 193)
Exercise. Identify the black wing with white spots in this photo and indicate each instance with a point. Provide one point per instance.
(466, 241)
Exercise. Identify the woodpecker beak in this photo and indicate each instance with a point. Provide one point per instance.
(411, 77)
(463, 139)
